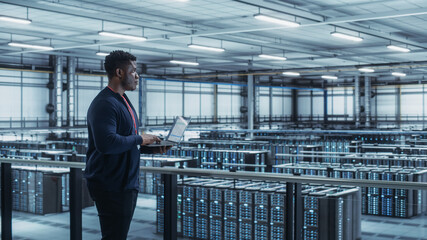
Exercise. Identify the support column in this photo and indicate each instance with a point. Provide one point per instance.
(311, 105)
(294, 105)
(325, 106)
(423, 108)
(170, 220)
(215, 102)
(102, 78)
(357, 100)
(71, 91)
(76, 176)
(251, 109)
(183, 98)
(50, 107)
(299, 212)
(368, 101)
(6, 201)
(142, 97)
(398, 105)
(270, 104)
(289, 208)
(58, 90)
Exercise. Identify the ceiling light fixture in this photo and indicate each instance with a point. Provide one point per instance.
(184, 63)
(212, 49)
(397, 48)
(15, 20)
(329, 77)
(23, 45)
(346, 36)
(291, 74)
(368, 70)
(102, 54)
(123, 36)
(398, 74)
(272, 57)
(283, 22)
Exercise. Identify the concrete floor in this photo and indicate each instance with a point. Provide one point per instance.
(56, 226)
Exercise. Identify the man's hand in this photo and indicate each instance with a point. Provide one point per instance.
(149, 139)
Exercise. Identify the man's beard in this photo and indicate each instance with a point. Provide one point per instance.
(127, 84)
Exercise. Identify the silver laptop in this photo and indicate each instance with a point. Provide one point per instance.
(175, 134)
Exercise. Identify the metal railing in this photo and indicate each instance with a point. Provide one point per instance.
(11, 123)
(170, 183)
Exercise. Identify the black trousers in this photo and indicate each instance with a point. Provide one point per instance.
(115, 211)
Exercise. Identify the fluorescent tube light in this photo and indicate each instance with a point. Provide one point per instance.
(368, 70)
(346, 36)
(398, 74)
(184, 63)
(23, 45)
(283, 22)
(103, 54)
(15, 20)
(123, 36)
(397, 48)
(272, 57)
(213, 49)
(291, 74)
(329, 77)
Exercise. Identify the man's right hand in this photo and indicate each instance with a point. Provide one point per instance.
(149, 139)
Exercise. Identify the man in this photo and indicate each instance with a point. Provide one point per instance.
(112, 165)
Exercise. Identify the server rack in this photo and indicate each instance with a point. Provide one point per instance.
(404, 198)
(277, 213)
(261, 212)
(341, 225)
(420, 197)
(216, 213)
(160, 208)
(231, 213)
(189, 207)
(202, 212)
(312, 206)
(331, 214)
(218, 209)
(245, 218)
(387, 195)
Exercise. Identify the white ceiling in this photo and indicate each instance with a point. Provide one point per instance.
(72, 26)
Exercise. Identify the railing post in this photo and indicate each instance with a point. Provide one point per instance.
(76, 203)
(170, 223)
(298, 212)
(6, 201)
(289, 211)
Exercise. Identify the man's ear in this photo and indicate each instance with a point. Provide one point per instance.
(119, 72)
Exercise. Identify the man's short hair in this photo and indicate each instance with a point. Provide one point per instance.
(117, 59)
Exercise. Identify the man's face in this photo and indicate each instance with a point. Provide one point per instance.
(131, 78)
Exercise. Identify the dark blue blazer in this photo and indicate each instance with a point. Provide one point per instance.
(112, 159)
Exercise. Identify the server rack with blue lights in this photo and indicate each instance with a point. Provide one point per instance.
(222, 209)
(216, 210)
(331, 214)
(277, 221)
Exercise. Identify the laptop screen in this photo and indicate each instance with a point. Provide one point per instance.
(178, 129)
